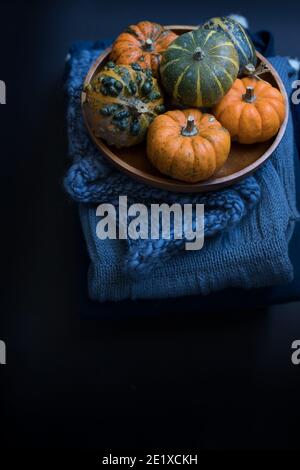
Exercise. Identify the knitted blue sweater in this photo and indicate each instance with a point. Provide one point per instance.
(247, 227)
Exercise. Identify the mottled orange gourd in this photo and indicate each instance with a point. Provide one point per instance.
(142, 43)
(187, 145)
(253, 111)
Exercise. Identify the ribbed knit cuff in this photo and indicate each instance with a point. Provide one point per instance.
(178, 278)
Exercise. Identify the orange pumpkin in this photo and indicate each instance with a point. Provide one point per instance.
(252, 110)
(143, 44)
(187, 145)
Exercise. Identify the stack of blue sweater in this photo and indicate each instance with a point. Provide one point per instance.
(247, 227)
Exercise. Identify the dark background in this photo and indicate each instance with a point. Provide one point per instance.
(220, 379)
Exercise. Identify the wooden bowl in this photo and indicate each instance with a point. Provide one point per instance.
(242, 161)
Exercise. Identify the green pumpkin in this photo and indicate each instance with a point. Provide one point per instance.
(238, 36)
(199, 67)
(121, 102)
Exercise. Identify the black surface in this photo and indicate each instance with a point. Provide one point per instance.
(210, 380)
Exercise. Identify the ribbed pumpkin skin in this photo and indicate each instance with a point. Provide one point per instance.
(131, 46)
(122, 101)
(237, 34)
(258, 121)
(199, 82)
(188, 158)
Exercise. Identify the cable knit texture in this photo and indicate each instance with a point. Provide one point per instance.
(247, 226)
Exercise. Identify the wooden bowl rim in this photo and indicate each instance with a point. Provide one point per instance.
(165, 182)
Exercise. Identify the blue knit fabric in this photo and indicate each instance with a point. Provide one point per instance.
(92, 179)
(246, 242)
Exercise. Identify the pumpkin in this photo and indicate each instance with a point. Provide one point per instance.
(122, 100)
(199, 67)
(187, 145)
(239, 37)
(142, 43)
(252, 111)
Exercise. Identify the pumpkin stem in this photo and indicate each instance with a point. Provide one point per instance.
(249, 96)
(190, 128)
(249, 69)
(148, 45)
(199, 54)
